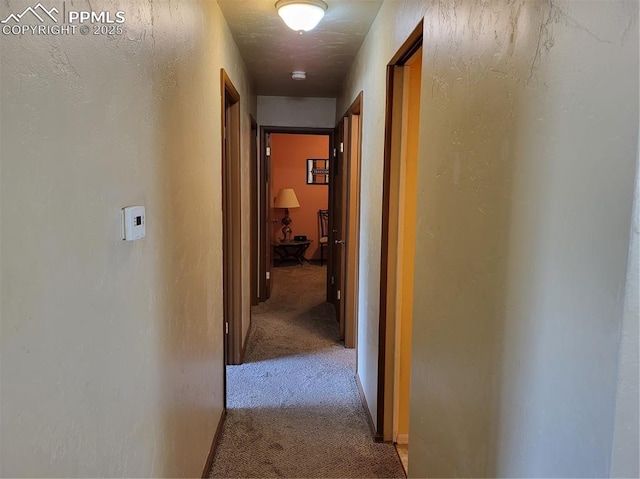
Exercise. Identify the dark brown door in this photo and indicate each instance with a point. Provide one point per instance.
(337, 226)
(255, 213)
(268, 217)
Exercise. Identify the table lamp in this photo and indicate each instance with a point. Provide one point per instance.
(286, 199)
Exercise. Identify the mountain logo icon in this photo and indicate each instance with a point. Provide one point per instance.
(39, 11)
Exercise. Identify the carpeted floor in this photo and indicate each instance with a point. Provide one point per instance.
(293, 407)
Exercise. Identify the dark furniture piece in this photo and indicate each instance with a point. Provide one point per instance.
(323, 226)
(286, 250)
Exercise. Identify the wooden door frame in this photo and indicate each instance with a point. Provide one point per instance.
(354, 170)
(231, 220)
(264, 266)
(392, 155)
(347, 306)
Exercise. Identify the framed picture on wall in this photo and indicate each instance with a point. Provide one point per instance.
(317, 172)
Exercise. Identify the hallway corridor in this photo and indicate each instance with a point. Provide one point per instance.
(293, 406)
(510, 165)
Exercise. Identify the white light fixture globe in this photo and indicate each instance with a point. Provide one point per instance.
(301, 15)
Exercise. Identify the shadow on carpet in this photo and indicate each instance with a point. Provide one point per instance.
(293, 408)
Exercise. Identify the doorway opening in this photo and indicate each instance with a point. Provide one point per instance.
(336, 173)
(300, 183)
(295, 188)
(398, 241)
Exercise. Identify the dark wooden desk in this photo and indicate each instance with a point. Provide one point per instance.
(290, 250)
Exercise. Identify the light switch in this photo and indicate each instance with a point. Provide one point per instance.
(133, 223)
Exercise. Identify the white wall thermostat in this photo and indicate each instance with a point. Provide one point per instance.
(133, 223)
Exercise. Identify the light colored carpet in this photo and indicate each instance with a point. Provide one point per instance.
(293, 407)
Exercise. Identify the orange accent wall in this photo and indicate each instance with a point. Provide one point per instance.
(289, 154)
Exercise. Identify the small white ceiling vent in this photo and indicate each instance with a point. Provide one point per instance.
(299, 75)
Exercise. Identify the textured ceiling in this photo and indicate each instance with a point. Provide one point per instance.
(272, 51)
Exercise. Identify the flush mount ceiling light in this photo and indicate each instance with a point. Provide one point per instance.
(298, 75)
(301, 15)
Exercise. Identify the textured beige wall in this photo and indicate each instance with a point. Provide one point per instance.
(296, 112)
(626, 442)
(111, 352)
(395, 21)
(528, 149)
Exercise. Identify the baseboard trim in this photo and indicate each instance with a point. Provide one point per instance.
(214, 445)
(402, 439)
(376, 437)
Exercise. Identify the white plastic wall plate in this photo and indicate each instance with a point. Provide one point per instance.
(133, 223)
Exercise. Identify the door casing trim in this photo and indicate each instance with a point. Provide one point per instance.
(232, 220)
(264, 267)
(386, 327)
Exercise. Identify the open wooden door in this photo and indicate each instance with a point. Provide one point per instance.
(344, 222)
(254, 212)
(268, 210)
(338, 226)
(264, 235)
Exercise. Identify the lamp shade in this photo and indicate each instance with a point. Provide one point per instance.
(301, 15)
(286, 199)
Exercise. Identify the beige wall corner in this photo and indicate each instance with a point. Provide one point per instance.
(626, 443)
(111, 351)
